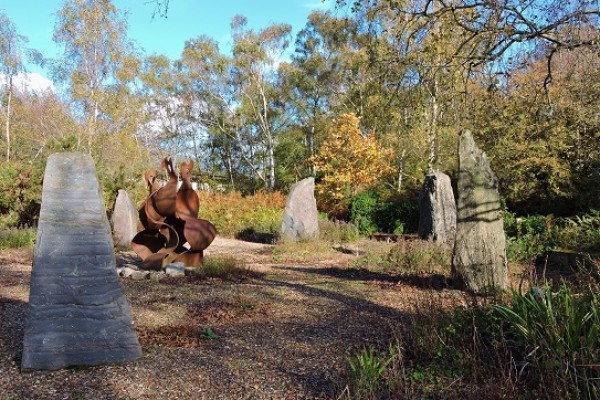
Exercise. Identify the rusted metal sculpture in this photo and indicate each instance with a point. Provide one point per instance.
(172, 229)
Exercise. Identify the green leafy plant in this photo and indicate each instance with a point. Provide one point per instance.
(559, 334)
(236, 215)
(209, 334)
(366, 370)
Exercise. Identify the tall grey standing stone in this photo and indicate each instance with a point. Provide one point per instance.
(479, 260)
(124, 220)
(300, 218)
(78, 314)
(437, 209)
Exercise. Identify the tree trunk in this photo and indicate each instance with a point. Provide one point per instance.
(432, 134)
(271, 164)
(8, 111)
(310, 142)
(401, 170)
(230, 170)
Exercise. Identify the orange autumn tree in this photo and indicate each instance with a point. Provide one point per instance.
(347, 163)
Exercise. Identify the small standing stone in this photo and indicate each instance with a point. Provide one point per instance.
(300, 218)
(124, 220)
(437, 209)
(479, 260)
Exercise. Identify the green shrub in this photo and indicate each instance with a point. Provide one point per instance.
(529, 237)
(372, 213)
(21, 193)
(399, 212)
(581, 233)
(17, 238)
(363, 209)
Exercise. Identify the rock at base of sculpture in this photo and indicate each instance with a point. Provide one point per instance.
(437, 209)
(124, 220)
(300, 218)
(78, 314)
(479, 260)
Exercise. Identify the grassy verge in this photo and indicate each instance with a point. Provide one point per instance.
(17, 238)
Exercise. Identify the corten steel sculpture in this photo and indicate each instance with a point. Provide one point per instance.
(172, 229)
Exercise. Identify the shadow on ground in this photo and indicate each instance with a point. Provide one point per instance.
(421, 281)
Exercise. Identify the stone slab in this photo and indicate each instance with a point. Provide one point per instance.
(300, 220)
(78, 314)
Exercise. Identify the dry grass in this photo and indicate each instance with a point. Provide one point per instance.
(233, 213)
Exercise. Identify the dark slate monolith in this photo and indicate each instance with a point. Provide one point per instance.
(437, 209)
(479, 260)
(124, 220)
(78, 314)
(300, 217)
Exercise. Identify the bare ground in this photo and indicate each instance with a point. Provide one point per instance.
(284, 333)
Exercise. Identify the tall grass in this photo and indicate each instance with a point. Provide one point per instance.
(17, 238)
(540, 344)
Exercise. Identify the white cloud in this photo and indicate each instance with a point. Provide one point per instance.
(30, 82)
(318, 4)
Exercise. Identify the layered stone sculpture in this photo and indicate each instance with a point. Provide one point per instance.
(479, 260)
(173, 231)
(124, 220)
(300, 217)
(437, 209)
(78, 314)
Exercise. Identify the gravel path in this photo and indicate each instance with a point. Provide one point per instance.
(285, 333)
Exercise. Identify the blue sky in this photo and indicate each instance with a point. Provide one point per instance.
(186, 19)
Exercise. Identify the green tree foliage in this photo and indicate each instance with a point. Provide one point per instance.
(99, 66)
(523, 75)
(98, 63)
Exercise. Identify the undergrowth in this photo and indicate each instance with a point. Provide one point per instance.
(531, 236)
(234, 214)
(17, 238)
(538, 344)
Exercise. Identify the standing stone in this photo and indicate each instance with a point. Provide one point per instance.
(437, 209)
(78, 314)
(300, 217)
(479, 260)
(124, 220)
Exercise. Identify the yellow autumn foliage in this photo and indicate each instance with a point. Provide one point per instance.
(348, 162)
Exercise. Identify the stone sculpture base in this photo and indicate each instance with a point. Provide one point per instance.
(78, 314)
